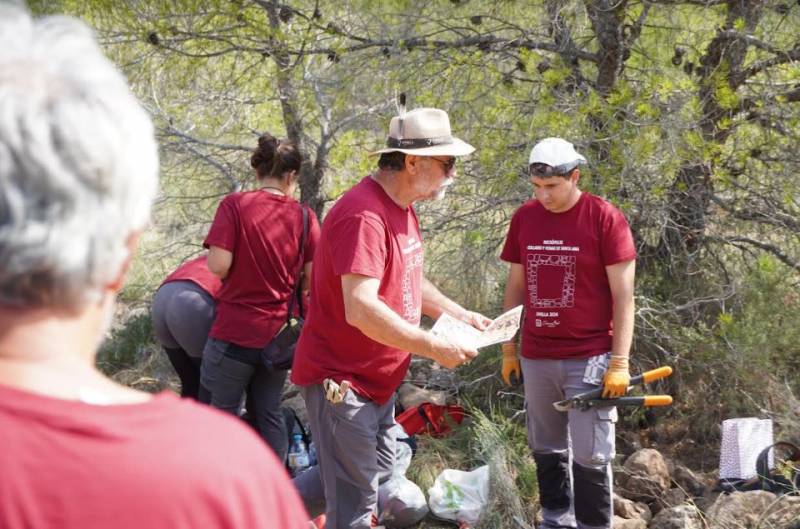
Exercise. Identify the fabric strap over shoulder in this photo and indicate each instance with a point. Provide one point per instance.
(297, 294)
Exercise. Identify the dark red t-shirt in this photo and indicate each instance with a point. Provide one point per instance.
(263, 232)
(365, 233)
(196, 270)
(165, 464)
(568, 309)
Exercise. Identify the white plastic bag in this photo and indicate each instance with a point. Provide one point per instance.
(460, 496)
(401, 503)
(402, 458)
(742, 440)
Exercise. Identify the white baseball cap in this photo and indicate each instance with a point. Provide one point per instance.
(558, 154)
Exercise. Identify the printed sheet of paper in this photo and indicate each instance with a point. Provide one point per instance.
(456, 331)
(501, 329)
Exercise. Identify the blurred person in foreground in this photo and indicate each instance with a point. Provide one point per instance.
(573, 264)
(367, 296)
(182, 312)
(78, 172)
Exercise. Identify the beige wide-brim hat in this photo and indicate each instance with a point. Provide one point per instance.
(424, 132)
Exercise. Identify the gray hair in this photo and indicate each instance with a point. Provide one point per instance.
(78, 163)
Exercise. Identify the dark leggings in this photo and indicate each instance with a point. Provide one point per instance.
(188, 369)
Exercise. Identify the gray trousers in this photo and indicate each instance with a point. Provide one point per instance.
(573, 450)
(228, 372)
(182, 316)
(355, 449)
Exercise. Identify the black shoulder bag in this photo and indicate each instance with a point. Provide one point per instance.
(278, 354)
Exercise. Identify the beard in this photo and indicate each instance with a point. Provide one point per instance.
(442, 191)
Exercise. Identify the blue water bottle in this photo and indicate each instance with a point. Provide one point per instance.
(298, 455)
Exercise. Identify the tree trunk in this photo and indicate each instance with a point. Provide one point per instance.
(693, 187)
(311, 171)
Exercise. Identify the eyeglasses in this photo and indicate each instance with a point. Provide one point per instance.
(543, 170)
(447, 164)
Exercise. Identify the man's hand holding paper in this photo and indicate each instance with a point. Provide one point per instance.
(501, 329)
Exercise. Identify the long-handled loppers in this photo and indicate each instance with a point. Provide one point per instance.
(592, 399)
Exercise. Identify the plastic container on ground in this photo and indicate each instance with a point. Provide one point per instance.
(298, 455)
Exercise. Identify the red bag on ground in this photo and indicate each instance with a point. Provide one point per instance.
(431, 419)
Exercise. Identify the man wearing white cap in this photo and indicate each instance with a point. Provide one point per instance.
(368, 293)
(573, 263)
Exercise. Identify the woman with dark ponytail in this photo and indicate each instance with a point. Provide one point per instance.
(254, 246)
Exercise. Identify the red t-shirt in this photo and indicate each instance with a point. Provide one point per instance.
(568, 308)
(365, 233)
(263, 232)
(164, 464)
(196, 271)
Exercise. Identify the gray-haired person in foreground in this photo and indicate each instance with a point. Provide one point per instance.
(78, 173)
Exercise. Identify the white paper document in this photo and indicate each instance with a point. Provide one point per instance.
(501, 329)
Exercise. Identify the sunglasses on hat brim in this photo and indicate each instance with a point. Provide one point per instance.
(543, 170)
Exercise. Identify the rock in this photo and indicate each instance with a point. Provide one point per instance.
(644, 477)
(410, 395)
(631, 510)
(672, 498)
(628, 442)
(624, 523)
(784, 514)
(741, 508)
(705, 501)
(440, 378)
(680, 517)
(688, 481)
(758, 508)
(670, 465)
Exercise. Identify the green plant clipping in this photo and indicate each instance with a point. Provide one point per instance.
(453, 494)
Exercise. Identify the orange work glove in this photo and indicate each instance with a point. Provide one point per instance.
(617, 378)
(511, 364)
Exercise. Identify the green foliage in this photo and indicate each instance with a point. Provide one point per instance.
(724, 95)
(745, 359)
(127, 344)
(757, 333)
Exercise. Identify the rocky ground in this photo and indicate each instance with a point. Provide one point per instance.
(653, 489)
(652, 492)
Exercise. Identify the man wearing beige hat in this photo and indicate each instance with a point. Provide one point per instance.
(368, 293)
(572, 263)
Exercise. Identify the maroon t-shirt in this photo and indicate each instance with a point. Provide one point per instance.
(196, 270)
(568, 309)
(263, 232)
(365, 233)
(165, 464)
